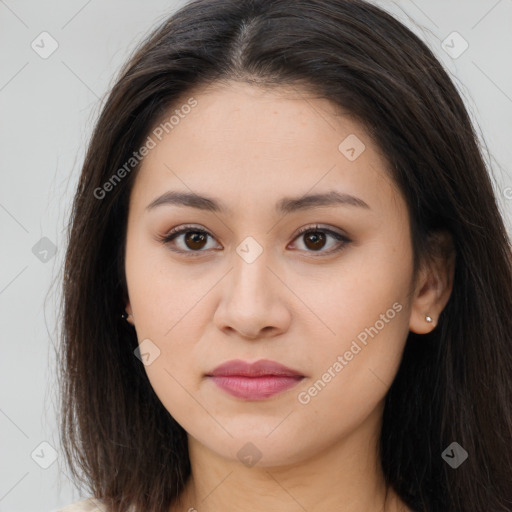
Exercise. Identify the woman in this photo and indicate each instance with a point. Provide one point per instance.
(288, 284)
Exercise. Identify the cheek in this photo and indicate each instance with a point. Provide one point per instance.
(166, 314)
(367, 310)
(354, 371)
(367, 283)
(161, 294)
(175, 388)
(163, 304)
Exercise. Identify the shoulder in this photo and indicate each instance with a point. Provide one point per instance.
(87, 505)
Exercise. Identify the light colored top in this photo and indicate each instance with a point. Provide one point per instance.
(88, 505)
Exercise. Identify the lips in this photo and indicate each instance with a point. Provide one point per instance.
(257, 369)
(254, 381)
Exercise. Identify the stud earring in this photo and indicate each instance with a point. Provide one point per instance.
(125, 316)
(428, 318)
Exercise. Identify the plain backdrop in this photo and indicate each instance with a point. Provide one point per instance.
(48, 106)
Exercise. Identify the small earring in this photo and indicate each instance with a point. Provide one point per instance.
(428, 318)
(125, 316)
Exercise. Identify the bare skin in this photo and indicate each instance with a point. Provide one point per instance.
(298, 303)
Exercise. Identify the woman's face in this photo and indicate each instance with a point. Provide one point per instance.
(337, 311)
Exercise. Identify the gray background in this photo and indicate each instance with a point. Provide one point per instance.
(47, 110)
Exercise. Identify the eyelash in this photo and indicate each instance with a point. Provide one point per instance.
(174, 233)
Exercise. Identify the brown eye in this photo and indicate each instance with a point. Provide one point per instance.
(315, 240)
(195, 239)
(191, 240)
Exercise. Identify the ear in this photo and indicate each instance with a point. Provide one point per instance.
(128, 309)
(434, 283)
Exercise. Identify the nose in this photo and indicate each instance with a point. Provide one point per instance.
(254, 301)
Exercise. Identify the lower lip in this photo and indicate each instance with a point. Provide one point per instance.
(255, 388)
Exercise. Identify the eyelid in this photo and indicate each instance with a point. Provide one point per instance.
(342, 239)
(180, 230)
(186, 227)
(319, 227)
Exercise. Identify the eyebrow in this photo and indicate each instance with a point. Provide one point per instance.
(284, 206)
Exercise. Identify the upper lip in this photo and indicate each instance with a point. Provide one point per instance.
(256, 369)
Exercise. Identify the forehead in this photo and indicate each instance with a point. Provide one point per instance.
(258, 142)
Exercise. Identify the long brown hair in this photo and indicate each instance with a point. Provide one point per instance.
(454, 384)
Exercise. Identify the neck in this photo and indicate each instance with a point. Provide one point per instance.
(344, 477)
